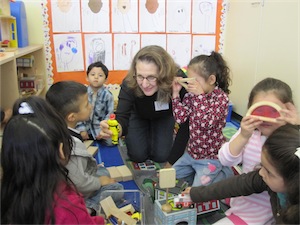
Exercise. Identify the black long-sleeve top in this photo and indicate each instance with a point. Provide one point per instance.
(242, 185)
(144, 106)
(2, 115)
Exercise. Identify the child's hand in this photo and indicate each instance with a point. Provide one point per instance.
(195, 87)
(187, 190)
(248, 125)
(289, 115)
(176, 87)
(84, 135)
(105, 180)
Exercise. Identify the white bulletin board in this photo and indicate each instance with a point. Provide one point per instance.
(113, 31)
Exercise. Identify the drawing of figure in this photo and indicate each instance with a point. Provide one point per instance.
(180, 16)
(67, 50)
(122, 12)
(97, 52)
(64, 17)
(124, 6)
(151, 6)
(95, 16)
(178, 19)
(202, 50)
(126, 51)
(95, 5)
(64, 5)
(206, 9)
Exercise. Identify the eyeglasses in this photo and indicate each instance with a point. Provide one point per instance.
(150, 79)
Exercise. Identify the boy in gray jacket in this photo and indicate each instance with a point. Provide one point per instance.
(70, 99)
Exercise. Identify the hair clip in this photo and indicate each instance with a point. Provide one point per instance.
(297, 153)
(25, 108)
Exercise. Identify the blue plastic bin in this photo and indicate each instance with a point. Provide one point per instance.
(17, 9)
(228, 118)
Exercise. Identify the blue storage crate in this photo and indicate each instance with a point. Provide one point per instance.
(228, 118)
(17, 9)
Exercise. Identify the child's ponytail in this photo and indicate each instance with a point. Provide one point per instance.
(222, 72)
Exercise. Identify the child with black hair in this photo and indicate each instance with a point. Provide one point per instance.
(279, 175)
(35, 186)
(102, 102)
(205, 106)
(70, 99)
(245, 147)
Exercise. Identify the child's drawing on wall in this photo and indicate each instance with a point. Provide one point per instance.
(97, 51)
(203, 45)
(68, 52)
(178, 16)
(179, 47)
(154, 39)
(95, 15)
(204, 19)
(124, 16)
(153, 19)
(126, 46)
(98, 47)
(65, 15)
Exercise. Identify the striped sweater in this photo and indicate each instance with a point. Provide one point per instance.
(254, 209)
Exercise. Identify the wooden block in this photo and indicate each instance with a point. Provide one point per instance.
(167, 178)
(121, 216)
(125, 172)
(265, 111)
(88, 143)
(92, 150)
(184, 81)
(114, 173)
(107, 204)
(128, 208)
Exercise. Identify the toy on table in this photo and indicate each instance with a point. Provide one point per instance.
(265, 111)
(183, 82)
(183, 201)
(114, 127)
(167, 179)
(120, 173)
(5, 43)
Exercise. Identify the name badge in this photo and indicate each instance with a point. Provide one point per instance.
(159, 106)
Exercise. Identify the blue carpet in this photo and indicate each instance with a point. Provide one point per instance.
(110, 156)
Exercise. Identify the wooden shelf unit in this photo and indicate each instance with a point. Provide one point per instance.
(9, 73)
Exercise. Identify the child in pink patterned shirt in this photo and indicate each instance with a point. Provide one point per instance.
(246, 145)
(206, 107)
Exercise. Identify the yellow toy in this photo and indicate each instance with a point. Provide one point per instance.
(114, 127)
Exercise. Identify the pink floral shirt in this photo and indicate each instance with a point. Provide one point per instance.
(207, 117)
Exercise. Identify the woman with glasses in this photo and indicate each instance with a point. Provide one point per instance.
(144, 110)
